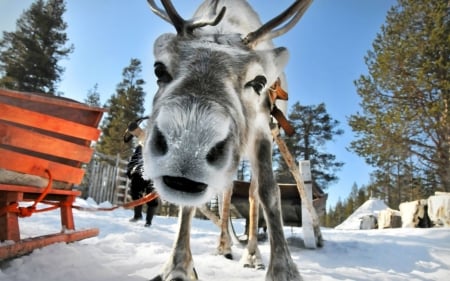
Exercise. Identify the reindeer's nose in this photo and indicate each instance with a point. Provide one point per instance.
(217, 153)
(184, 184)
(158, 143)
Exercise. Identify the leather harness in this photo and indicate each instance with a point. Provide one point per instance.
(277, 93)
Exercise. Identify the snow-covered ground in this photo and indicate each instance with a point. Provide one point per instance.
(129, 251)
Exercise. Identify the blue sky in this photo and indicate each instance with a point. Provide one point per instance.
(327, 49)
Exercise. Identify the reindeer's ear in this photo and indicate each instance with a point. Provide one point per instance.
(163, 46)
(281, 56)
(274, 63)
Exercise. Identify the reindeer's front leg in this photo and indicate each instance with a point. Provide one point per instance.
(252, 256)
(224, 247)
(180, 266)
(281, 265)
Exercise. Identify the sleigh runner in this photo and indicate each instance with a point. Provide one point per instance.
(44, 141)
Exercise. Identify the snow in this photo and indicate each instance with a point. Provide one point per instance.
(129, 251)
(371, 207)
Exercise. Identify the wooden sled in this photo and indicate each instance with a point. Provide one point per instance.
(44, 141)
(291, 205)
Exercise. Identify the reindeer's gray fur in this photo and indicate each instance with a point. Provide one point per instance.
(206, 117)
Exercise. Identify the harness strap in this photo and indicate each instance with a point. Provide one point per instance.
(276, 92)
(281, 119)
(147, 198)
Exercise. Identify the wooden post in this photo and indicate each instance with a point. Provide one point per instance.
(67, 221)
(9, 222)
(307, 221)
(287, 156)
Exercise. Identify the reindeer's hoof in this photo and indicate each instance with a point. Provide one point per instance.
(228, 256)
(252, 260)
(260, 266)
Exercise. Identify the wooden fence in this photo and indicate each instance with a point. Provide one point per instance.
(106, 179)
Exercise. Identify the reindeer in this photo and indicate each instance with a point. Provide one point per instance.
(212, 108)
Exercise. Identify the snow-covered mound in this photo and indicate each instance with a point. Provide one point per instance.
(370, 207)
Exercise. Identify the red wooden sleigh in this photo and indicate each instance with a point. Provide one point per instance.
(44, 141)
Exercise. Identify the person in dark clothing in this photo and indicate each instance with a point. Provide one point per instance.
(140, 187)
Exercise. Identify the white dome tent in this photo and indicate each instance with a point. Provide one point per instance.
(371, 207)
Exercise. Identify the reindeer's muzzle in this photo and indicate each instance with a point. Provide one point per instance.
(189, 149)
(184, 184)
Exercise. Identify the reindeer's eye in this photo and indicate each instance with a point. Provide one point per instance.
(257, 84)
(161, 73)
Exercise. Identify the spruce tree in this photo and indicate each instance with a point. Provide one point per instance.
(125, 106)
(314, 128)
(29, 56)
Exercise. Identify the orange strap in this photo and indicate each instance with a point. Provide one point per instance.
(28, 211)
(147, 198)
(276, 92)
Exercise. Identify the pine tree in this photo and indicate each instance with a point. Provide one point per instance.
(404, 127)
(314, 128)
(328, 218)
(349, 207)
(354, 192)
(361, 197)
(125, 106)
(93, 97)
(339, 211)
(29, 56)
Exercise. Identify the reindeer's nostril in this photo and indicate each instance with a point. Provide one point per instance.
(217, 152)
(158, 142)
(184, 184)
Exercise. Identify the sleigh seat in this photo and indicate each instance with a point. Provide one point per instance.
(44, 141)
